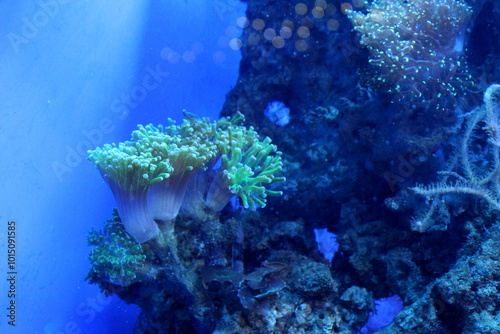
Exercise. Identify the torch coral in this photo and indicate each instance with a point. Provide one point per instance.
(150, 174)
(210, 162)
(130, 172)
(247, 165)
(187, 148)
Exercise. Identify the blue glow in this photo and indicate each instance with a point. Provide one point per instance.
(77, 74)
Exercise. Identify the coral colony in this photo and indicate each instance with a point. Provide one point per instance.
(417, 46)
(150, 174)
(198, 163)
(388, 219)
(464, 176)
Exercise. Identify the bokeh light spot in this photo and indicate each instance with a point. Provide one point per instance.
(165, 52)
(318, 12)
(331, 9)
(301, 45)
(169, 55)
(278, 42)
(286, 32)
(345, 7)
(303, 32)
(301, 8)
(253, 39)
(307, 22)
(288, 24)
(358, 3)
(174, 58)
(242, 22)
(269, 34)
(320, 3)
(258, 24)
(235, 43)
(333, 24)
(189, 56)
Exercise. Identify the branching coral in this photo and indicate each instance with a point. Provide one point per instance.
(116, 258)
(476, 169)
(416, 46)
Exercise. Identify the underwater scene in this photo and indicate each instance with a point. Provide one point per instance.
(257, 166)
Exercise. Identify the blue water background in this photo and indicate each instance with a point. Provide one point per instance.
(61, 87)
